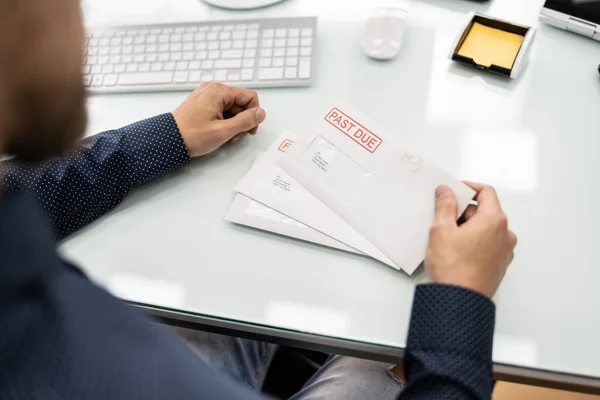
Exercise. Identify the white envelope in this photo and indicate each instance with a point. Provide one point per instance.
(369, 179)
(246, 211)
(270, 185)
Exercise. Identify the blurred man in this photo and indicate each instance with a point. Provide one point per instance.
(61, 337)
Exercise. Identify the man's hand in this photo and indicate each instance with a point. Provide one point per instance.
(215, 114)
(476, 254)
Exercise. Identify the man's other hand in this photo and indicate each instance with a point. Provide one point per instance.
(476, 254)
(215, 114)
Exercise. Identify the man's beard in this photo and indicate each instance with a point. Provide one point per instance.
(45, 123)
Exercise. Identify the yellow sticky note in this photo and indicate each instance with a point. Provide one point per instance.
(487, 46)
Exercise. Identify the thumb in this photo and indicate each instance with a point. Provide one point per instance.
(242, 122)
(446, 205)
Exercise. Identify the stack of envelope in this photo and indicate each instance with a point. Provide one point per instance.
(346, 184)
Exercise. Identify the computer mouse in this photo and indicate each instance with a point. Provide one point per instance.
(384, 33)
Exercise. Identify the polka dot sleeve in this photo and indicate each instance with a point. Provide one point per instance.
(86, 183)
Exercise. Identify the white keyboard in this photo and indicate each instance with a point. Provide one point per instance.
(249, 53)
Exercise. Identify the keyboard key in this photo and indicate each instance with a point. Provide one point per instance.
(97, 69)
(212, 36)
(208, 64)
(252, 35)
(195, 76)
(127, 49)
(294, 42)
(279, 52)
(191, 29)
(304, 69)
(180, 29)
(207, 77)
(163, 47)
(277, 62)
(248, 63)
(108, 69)
(176, 56)
(116, 41)
(229, 28)
(152, 39)
(104, 51)
(294, 32)
(268, 33)
(250, 53)
(132, 32)
(228, 64)
(181, 76)
(92, 51)
(176, 38)
(164, 57)
(188, 47)
(266, 53)
(240, 27)
(201, 55)
(238, 44)
(152, 48)
(188, 37)
(292, 52)
(291, 73)
(168, 30)
(232, 54)
(213, 45)
(253, 26)
(120, 68)
(104, 42)
(145, 67)
(92, 60)
(147, 78)
(87, 80)
(145, 31)
(247, 74)
(237, 35)
(94, 42)
(251, 44)
(139, 49)
(188, 55)
(127, 59)
(291, 61)
(305, 51)
(280, 42)
(220, 75)
(151, 57)
(139, 40)
(200, 37)
(226, 45)
(139, 58)
(181, 66)
(132, 67)
(157, 66)
(225, 35)
(307, 32)
(97, 80)
(306, 42)
(163, 39)
(213, 55)
(103, 60)
(216, 28)
(110, 80)
(265, 62)
(87, 69)
(176, 47)
(169, 66)
(115, 50)
(156, 31)
(281, 33)
(194, 65)
(270, 73)
(203, 28)
(266, 43)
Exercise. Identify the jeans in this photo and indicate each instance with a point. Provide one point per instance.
(247, 362)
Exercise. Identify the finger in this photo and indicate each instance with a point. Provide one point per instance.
(242, 122)
(469, 212)
(237, 137)
(446, 206)
(512, 239)
(486, 197)
(235, 96)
